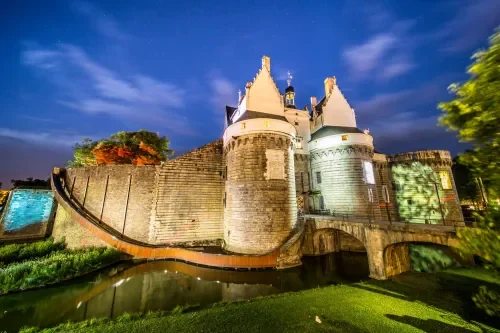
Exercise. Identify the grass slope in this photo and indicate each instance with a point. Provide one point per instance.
(432, 302)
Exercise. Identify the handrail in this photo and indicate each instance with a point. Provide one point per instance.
(149, 251)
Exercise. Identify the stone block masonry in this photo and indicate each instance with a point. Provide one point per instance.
(188, 202)
(121, 196)
(75, 235)
(260, 197)
(180, 201)
(337, 174)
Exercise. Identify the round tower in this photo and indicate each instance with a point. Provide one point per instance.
(260, 207)
(342, 173)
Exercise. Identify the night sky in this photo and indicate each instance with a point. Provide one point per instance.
(72, 69)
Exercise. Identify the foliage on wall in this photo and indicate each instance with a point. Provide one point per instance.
(416, 193)
(137, 148)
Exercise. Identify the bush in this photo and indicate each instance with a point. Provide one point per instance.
(54, 268)
(20, 252)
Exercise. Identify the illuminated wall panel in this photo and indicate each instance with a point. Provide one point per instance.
(27, 207)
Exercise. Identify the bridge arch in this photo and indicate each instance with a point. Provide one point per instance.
(421, 256)
(386, 244)
(330, 240)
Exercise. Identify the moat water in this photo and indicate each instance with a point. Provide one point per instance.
(163, 285)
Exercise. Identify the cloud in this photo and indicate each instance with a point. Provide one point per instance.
(407, 119)
(364, 58)
(92, 88)
(224, 92)
(102, 22)
(473, 23)
(386, 53)
(396, 67)
(42, 138)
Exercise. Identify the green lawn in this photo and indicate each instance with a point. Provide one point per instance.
(415, 302)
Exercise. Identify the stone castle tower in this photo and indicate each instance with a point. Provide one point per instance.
(341, 157)
(260, 207)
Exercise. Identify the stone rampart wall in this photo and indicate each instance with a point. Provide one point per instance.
(121, 196)
(188, 204)
(437, 160)
(180, 201)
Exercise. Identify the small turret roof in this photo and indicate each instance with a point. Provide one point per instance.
(249, 115)
(333, 130)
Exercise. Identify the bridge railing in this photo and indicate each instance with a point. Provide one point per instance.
(425, 200)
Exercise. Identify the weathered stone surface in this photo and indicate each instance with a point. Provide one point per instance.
(438, 160)
(75, 235)
(103, 191)
(342, 181)
(178, 202)
(188, 204)
(259, 213)
(376, 238)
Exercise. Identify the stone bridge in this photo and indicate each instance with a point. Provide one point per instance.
(386, 244)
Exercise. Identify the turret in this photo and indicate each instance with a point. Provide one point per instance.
(289, 93)
(260, 201)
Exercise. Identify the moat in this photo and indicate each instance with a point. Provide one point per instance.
(163, 285)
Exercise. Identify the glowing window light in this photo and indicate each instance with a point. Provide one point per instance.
(445, 179)
(368, 172)
(344, 137)
(299, 142)
(266, 123)
(243, 125)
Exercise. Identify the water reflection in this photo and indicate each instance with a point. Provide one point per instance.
(162, 285)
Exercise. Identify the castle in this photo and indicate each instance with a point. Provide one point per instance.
(280, 160)
(281, 183)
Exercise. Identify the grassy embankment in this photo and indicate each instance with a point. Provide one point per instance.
(414, 302)
(25, 266)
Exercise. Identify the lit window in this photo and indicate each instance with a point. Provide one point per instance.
(344, 137)
(370, 195)
(445, 179)
(368, 172)
(243, 125)
(266, 123)
(299, 142)
(318, 177)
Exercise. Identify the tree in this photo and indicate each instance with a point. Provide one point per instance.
(137, 148)
(467, 185)
(83, 154)
(475, 114)
(30, 182)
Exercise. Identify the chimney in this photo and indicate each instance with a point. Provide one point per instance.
(329, 83)
(266, 63)
(314, 101)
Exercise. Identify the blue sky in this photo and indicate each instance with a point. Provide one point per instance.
(74, 69)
